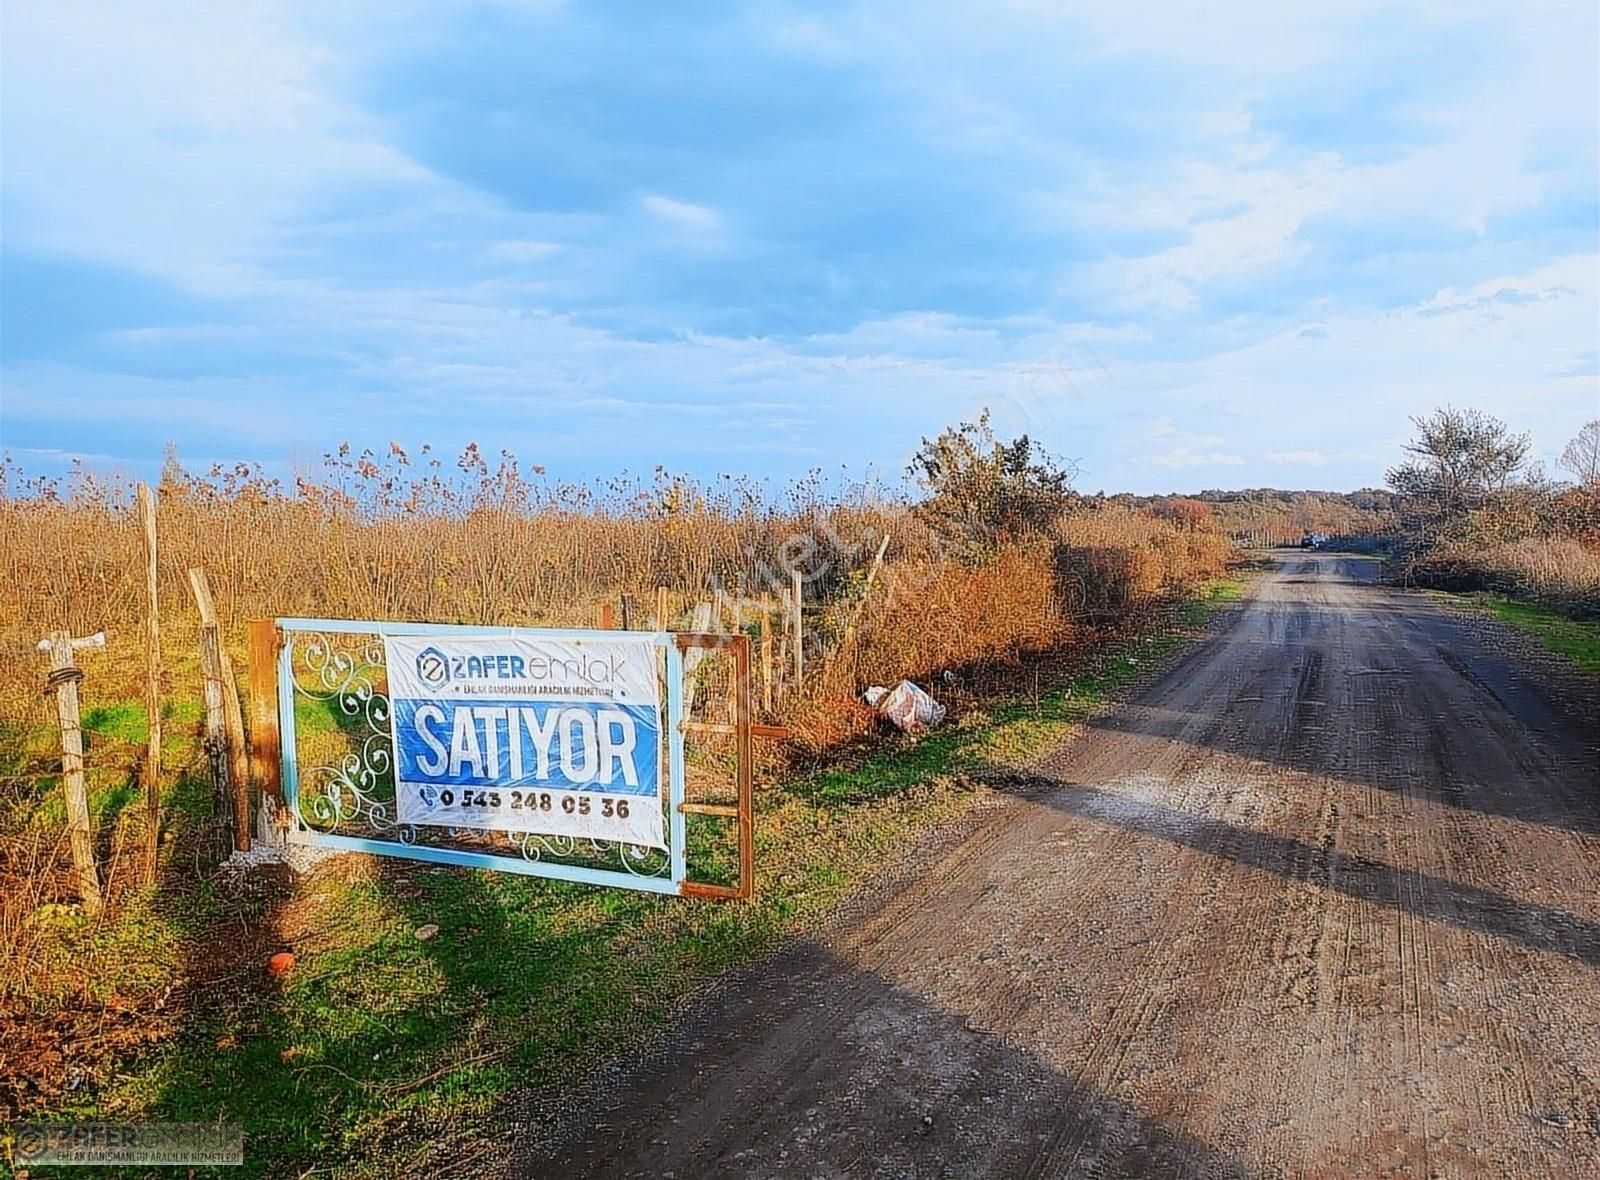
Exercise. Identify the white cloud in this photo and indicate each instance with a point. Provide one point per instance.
(809, 37)
(681, 214)
(1257, 36)
(1182, 457)
(1356, 385)
(174, 136)
(202, 143)
(521, 251)
(1476, 161)
(1501, 291)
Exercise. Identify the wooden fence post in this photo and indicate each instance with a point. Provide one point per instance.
(152, 696)
(216, 740)
(224, 722)
(766, 655)
(663, 615)
(701, 622)
(265, 745)
(780, 642)
(797, 625)
(64, 678)
(746, 771)
(608, 617)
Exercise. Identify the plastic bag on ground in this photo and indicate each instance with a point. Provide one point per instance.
(908, 707)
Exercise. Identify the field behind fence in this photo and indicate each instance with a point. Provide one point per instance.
(884, 596)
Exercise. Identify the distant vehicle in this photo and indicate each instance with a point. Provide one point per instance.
(1313, 540)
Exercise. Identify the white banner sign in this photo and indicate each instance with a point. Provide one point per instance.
(528, 734)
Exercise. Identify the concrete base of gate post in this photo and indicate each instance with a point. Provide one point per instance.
(275, 844)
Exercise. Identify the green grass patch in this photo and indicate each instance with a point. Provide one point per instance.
(1213, 596)
(124, 721)
(1576, 639)
(128, 723)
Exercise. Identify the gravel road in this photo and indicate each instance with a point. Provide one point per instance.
(1322, 900)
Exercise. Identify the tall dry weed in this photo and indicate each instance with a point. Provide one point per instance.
(385, 535)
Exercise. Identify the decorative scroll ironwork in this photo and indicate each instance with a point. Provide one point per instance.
(346, 775)
(348, 778)
(637, 859)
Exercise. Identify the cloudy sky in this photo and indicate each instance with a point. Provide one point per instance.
(1187, 245)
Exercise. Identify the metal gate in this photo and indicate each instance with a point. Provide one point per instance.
(323, 744)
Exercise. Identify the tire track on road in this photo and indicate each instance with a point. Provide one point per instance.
(1316, 902)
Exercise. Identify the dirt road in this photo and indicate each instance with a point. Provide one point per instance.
(1323, 900)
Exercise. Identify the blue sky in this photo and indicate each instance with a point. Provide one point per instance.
(1188, 246)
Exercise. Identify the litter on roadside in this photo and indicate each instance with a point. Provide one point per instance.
(906, 706)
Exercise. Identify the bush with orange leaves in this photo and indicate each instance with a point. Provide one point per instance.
(929, 617)
(1098, 567)
(1112, 560)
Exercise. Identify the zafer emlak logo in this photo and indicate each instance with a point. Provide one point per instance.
(433, 667)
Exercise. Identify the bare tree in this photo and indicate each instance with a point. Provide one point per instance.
(1581, 459)
(1459, 458)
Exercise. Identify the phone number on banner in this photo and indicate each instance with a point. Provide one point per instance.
(476, 801)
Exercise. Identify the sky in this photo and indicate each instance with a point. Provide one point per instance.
(1185, 246)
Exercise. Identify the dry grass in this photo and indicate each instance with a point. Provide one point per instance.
(384, 537)
(1559, 572)
(1534, 541)
(376, 538)
(1100, 567)
(1115, 560)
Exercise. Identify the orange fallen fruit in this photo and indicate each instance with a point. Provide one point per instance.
(280, 964)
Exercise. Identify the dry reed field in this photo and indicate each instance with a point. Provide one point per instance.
(384, 535)
(1560, 571)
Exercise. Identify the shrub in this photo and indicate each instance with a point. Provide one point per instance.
(931, 616)
(981, 492)
(1559, 572)
(1110, 559)
(383, 536)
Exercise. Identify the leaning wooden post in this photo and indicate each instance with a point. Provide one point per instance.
(746, 768)
(233, 712)
(780, 641)
(152, 696)
(64, 677)
(238, 751)
(797, 626)
(224, 723)
(216, 742)
(700, 622)
(866, 592)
